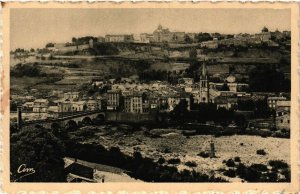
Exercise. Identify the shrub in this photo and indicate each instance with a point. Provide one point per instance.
(230, 173)
(161, 160)
(191, 164)
(278, 164)
(241, 170)
(167, 150)
(241, 144)
(272, 176)
(203, 154)
(261, 152)
(237, 159)
(259, 167)
(252, 175)
(230, 163)
(287, 174)
(174, 161)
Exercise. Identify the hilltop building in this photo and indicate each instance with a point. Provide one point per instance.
(165, 35)
(119, 38)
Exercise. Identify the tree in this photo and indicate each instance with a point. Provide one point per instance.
(74, 40)
(49, 45)
(39, 149)
(225, 87)
(187, 39)
(193, 53)
(201, 37)
(180, 111)
(265, 29)
(268, 79)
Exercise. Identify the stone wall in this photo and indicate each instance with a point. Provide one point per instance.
(130, 117)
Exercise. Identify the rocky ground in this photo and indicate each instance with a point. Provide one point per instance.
(171, 144)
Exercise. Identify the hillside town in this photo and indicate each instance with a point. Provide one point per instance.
(181, 104)
(131, 95)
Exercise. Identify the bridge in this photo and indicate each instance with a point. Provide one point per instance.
(67, 121)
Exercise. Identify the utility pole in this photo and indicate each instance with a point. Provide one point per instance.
(19, 121)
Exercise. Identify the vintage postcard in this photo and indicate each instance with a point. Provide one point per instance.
(150, 97)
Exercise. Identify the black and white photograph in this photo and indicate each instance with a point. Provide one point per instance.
(150, 95)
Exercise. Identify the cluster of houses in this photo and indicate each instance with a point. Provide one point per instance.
(62, 104)
(142, 98)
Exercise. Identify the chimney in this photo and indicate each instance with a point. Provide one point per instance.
(19, 112)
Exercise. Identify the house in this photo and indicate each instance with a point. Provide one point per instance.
(64, 106)
(133, 103)
(28, 106)
(146, 38)
(79, 106)
(153, 102)
(119, 38)
(162, 34)
(113, 99)
(77, 172)
(226, 102)
(186, 80)
(40, 105)
(53, 111)
(263, 36)
(178, 37)
(100, 39)
(71, 96)
(272, 101)
(283, 105)
(92, 105)
(212, 44)
(282, 119)
(57, 93)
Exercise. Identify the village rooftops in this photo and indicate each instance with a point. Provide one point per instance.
(79, 102)
(113, 91)
(277, 98)
(41, 100)
(283, 103)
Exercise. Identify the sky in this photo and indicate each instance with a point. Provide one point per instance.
(33, 28)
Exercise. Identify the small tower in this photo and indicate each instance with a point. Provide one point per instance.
(203, 84)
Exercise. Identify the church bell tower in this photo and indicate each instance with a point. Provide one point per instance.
(203, 84)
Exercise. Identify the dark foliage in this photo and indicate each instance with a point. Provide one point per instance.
(230, 173)
(278, 164)
(137, 166)
(237, 159)
(39, 149)
(230, 163)
(268, 79)
(21, 70)
(191, 164)
(105, 49)
(174, 161)
(203, 154)
(261, 152)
